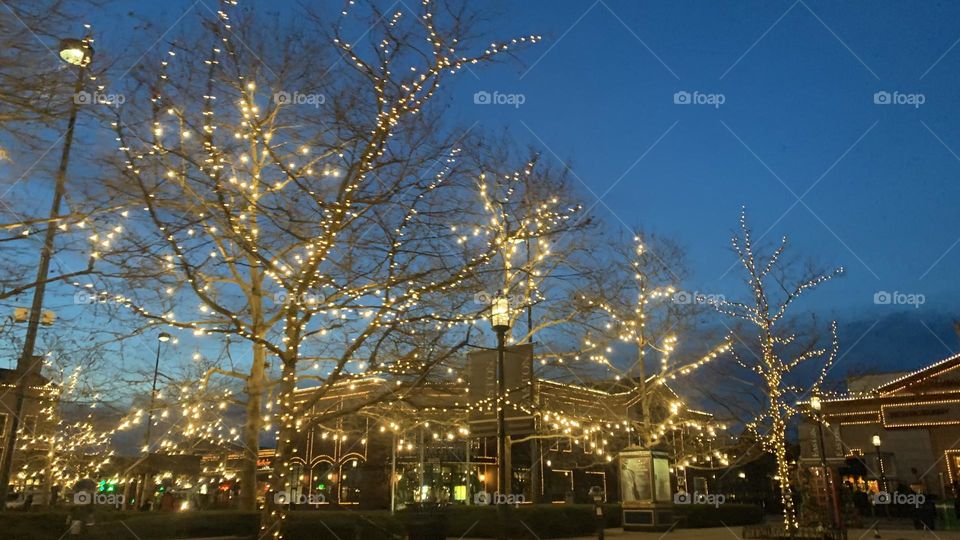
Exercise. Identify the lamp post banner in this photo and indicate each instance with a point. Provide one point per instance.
(518, 379)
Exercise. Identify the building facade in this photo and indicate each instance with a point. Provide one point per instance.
(916, 417)
(436, 442)
(35, 425)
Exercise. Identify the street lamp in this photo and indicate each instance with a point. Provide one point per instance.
(500, 321)
(163, 337)
(883, 477)
(78, 53)
(816, 405)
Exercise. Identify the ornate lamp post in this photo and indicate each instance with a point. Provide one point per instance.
(76, 52)
(883, 477)
(500, 321)
(816, 405)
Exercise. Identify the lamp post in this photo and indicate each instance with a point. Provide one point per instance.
(816, 405)
(163, 337)
(500, 321)
(76, 52)
(883, 477)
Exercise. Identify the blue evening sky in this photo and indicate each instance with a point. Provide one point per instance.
(798, 138)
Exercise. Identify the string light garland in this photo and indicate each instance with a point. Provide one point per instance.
(774, 363)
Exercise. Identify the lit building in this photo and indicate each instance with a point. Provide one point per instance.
(30, 454)
(915, 418)
(437, 442)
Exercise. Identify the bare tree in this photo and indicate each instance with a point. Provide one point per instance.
(771, 347)
(303, 206)
(636, 303)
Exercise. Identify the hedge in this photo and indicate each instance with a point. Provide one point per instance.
(528, 521)
(114, 525)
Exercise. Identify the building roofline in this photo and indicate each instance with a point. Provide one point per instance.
(947, 364)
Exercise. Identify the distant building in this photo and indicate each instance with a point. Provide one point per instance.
(917, 418)
(37, 419)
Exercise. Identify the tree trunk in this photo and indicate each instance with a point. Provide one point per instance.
(778, 438)
(272, 517)
(251, 430)
(646, 436)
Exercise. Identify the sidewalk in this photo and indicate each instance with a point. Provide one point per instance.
(722, 533)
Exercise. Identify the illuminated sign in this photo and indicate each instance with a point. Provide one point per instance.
(925, 413)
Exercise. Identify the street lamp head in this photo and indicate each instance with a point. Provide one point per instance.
(164, 337)
(500, 312)
(76, 52)
(876, 441)
(815, 403)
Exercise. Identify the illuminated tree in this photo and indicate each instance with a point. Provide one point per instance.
(306, 214)
(635, 303)
(772, 347)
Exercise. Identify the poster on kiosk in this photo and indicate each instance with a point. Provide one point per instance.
(645, 490)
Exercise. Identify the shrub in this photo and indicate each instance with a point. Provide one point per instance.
(111, 525)
(528, 521)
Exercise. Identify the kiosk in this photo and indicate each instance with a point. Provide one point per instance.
(645, 490)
